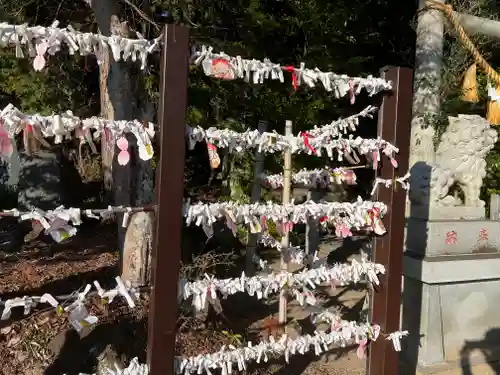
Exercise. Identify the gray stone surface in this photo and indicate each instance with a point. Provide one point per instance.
(443, 237)
(459, 162)
(451, 304)
(40, 181)
(423, 322)
(494, 207)
(453, 269)
(452, 261)
(448, 213)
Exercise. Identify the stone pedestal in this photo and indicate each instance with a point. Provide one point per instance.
(452, 237)
(450, 308)
(448, 213)
(451, 288)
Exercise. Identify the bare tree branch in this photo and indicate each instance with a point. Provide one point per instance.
(143, 15)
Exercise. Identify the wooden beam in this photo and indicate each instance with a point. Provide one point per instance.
(285, 240)
(166, 260)
(479, 26)
(394, 126)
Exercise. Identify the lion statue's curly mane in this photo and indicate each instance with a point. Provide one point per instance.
(460, 159)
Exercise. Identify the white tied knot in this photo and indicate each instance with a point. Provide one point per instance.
(325, 139)
(316, 177)
(492, 93)
(57, 222)
(66, 126)
(343, 214)
(230, 358)
(53, 39)
(292, 254)
(298, 284)
(76, 299)
(396, 337)
(256, 72)
(403, 181)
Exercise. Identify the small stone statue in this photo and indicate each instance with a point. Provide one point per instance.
(460, 160)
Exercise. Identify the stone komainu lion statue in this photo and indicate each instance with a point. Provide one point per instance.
(460, 159)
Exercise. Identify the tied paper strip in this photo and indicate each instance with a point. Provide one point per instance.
(143, 137)
(204, 290)
(61, 126)
(230, 358)
(492, 93)
(218, 68)
(292, 254)
(357, 215)
(337, 323)
(41, 50)
(79, 316)
(134, 368)
(372, 331)
(77, 299)
(403, 181)
(299, 284)
(123, 155)
(256, 71)
(52, 39)
(327, 138)
(213, 156)
(56, 222)
(341, 148)
(316, 177)
(6, 143)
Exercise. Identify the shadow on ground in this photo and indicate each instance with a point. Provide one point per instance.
(489, 347)
(82, 355)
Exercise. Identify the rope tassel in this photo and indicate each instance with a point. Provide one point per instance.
(493, 115)
(470, 92)
(493, 106)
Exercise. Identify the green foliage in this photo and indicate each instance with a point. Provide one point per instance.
(492, 180)
(233, 338)
(355, 37)
(61, 86)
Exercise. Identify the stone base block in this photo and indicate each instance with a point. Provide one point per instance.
(447, 213)
(450, 309)
(452, 237)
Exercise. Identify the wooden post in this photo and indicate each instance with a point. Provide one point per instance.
(255, 197)
(393, 126)
(307, 247)
(285, 241)
(166, 255)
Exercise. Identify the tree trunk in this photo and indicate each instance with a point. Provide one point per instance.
(132, 184)
(107, 111)
(427, 84)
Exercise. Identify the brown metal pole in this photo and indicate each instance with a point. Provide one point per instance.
(169, 200)
(393, 126)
